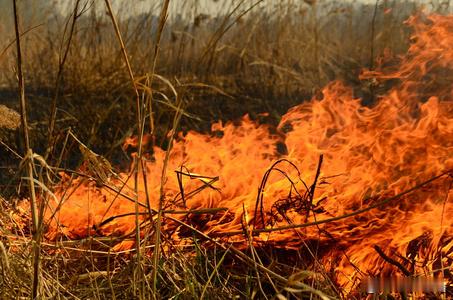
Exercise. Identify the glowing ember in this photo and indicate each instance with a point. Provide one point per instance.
(369, 154)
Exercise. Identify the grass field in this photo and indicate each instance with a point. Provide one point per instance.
(215, 149)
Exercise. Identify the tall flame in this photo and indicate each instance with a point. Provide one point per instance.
(369, 154)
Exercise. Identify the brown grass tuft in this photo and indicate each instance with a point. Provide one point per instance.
(9, 118)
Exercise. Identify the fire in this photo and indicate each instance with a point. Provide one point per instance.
(369, 154)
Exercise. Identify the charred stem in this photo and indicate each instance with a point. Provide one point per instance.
(392, 261)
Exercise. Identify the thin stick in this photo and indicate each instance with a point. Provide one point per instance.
(313, 186)
(260, 196)
(29, 158)
(392, 261)
(442, 224)
(345, 216)
(169, 212)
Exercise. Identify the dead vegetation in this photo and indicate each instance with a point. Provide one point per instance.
(96, 76)
(9, 118)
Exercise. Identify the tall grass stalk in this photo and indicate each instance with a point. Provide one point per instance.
(29, 160)
(138, 272)
(61, 62)
(156, 254)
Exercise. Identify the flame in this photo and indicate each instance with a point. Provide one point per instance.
(369, 154)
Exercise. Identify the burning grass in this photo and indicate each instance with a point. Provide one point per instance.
(335, 192)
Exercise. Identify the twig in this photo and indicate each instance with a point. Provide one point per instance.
(345, 216)
(313, 186)
(260, 196)
(203, 179)
(170, 212)
(201, 211)
(392, 261)
(442, 222)
(181, 187)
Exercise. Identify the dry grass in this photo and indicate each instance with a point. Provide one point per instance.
(9, 118)
(87, 269)
(186, 72)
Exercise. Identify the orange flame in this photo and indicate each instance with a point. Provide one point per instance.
(369, 154)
